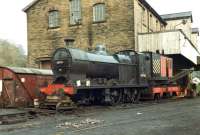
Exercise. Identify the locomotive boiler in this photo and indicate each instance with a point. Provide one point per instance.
(96, 77)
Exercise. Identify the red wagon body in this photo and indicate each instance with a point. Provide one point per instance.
(20, 86)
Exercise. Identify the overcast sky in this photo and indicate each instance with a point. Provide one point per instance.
(13, 19)
(173, 6)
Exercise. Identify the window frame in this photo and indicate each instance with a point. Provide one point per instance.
(143, 14)
(69, 43)
(157, 25)
(75, 9)
(53, 19)
(99, 12)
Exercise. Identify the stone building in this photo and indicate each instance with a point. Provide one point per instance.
(85, 24)
(182, 20)
(179, 40)
(194, 37)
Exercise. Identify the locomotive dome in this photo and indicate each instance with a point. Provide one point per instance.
(101, 50)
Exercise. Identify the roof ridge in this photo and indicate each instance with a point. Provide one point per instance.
(30, 5)
(148, 6)
(177, 13)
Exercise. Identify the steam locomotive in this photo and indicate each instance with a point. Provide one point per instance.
(126, 76)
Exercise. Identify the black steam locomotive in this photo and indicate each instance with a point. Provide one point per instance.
(97, 77)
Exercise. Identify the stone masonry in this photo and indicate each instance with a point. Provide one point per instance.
(124, 19)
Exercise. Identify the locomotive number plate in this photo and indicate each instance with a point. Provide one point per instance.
(59, 62)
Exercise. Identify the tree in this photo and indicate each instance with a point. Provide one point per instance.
(11, 55)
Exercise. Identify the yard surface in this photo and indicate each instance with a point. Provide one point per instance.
(181, 117)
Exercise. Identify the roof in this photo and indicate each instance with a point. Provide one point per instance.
(30, 70)
(30, 5)
(153, 11)
(176, 16)
(195, 30)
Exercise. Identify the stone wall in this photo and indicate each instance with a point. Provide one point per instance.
(178, 24)
(124, 19)
(145, 21)
(194, 39)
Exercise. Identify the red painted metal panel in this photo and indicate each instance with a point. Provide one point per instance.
(54, 88)
(160, 90)
(20, 89)
(33, 83)
(7, 74)
(163, 61)
(174, 89)
(28, 82)
(1, 73)
(170, 89)
(169, 67)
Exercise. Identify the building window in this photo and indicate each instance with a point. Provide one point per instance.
(157, 26)
(53, 19)
(69, 43)
(151, 23)
(143, 14)
(99, 12)
(75, 11)
(45, 64)
(161, 27)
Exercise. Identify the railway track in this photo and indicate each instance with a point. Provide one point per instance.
(21, 117)
(6, 119)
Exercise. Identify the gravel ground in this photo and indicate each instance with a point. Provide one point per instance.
(172, 118)
(10, 111)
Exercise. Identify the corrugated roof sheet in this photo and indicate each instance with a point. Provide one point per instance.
(175, 16)
(31, 71)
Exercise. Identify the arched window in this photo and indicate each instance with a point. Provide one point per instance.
(54, 19)
(99, 12)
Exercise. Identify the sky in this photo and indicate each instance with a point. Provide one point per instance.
(13, 19)
(173, 6)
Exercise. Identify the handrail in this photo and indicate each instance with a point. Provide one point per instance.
(181, 75)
